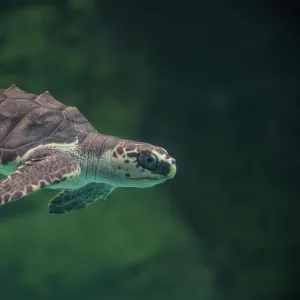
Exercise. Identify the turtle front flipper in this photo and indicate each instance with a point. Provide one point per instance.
(36, 174)
(70, 200)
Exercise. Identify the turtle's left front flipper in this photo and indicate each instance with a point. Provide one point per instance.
(37, 174)
(71, 200)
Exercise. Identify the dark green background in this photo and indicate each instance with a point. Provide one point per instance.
(213, 82)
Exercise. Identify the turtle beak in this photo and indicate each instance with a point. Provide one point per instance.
(173, 168)
(166, 168)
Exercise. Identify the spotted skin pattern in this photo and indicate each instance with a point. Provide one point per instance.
(67, 201)
(125, 146)
(126, 156)
(37, 174)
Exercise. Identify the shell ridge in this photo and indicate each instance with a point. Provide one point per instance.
(9, 92)
(46, 97)
(13, 87)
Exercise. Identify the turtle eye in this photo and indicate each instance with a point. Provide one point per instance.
(148, 161)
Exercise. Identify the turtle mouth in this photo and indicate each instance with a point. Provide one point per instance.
(146, 178)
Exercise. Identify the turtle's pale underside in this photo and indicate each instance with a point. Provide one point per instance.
(45, 144)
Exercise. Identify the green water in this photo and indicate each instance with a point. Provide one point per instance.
(216, 86)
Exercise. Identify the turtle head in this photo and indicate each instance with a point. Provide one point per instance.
(141, 165)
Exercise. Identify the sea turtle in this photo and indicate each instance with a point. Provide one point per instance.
(46, 144)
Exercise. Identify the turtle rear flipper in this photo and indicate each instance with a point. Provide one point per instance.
(37, 174)
(70, 200)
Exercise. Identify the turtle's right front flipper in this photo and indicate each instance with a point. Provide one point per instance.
(37, 174)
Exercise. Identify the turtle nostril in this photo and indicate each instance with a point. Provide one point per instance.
(173, 161)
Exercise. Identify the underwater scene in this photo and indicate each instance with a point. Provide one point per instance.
(149, 150)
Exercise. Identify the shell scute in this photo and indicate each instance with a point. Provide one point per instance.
(72, 114)
(83, 130)
(39, 123)
(17, 108)
(65, 129)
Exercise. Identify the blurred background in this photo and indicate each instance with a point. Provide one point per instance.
(213, 82)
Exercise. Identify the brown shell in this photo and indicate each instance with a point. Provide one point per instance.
(28, 120)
